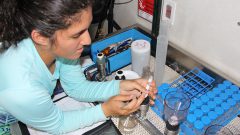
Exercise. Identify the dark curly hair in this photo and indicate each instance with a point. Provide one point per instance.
(19, 17)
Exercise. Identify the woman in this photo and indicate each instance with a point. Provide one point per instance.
(41, 42)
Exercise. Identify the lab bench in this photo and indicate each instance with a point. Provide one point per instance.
(200, 84)
(169, 76)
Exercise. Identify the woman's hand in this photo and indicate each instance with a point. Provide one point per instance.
(119, 105)
(138, 86)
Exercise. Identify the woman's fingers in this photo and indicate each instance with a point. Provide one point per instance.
(135, 103)
(123, 97)
(153, 90)
(144, 82)
(129, 85)
(138, 89)
(152, 94)
(151, 102)
(136, 93)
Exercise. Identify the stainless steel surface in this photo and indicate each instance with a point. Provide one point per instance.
(147, 125)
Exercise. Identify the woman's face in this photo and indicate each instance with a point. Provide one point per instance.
(69, 43)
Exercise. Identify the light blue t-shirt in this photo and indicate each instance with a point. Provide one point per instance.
(26, 86)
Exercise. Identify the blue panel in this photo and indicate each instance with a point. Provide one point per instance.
(122, 59)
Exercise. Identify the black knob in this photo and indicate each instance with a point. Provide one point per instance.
(120, 75)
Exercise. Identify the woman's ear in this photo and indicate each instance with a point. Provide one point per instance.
(39, 39)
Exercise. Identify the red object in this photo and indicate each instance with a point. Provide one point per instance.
(145, 9)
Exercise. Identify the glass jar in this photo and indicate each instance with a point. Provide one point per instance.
(127, 124)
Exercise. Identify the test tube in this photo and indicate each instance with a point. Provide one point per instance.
(227, 83)
(198, 113)
(205, 109)
(205, 120)
(191, 118)
(211, 95)
(198, 125)
(221, 87)
(212, 115)
(198, 103)
(204, 99)
(211, 105)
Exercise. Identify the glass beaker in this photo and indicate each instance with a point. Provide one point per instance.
(127, 124)
(217, 130)
(176, 105)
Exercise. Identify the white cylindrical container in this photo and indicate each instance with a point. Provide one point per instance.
(140, 50)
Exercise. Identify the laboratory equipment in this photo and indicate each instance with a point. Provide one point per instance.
(140, 50)
(120, 75)
(161, 52)
(144, 107)
(117, 60)
(127, 124)
(101, 66)
(209, 105)
(148, 75)
(176, 105)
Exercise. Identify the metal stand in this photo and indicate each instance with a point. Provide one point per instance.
(111, 22)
